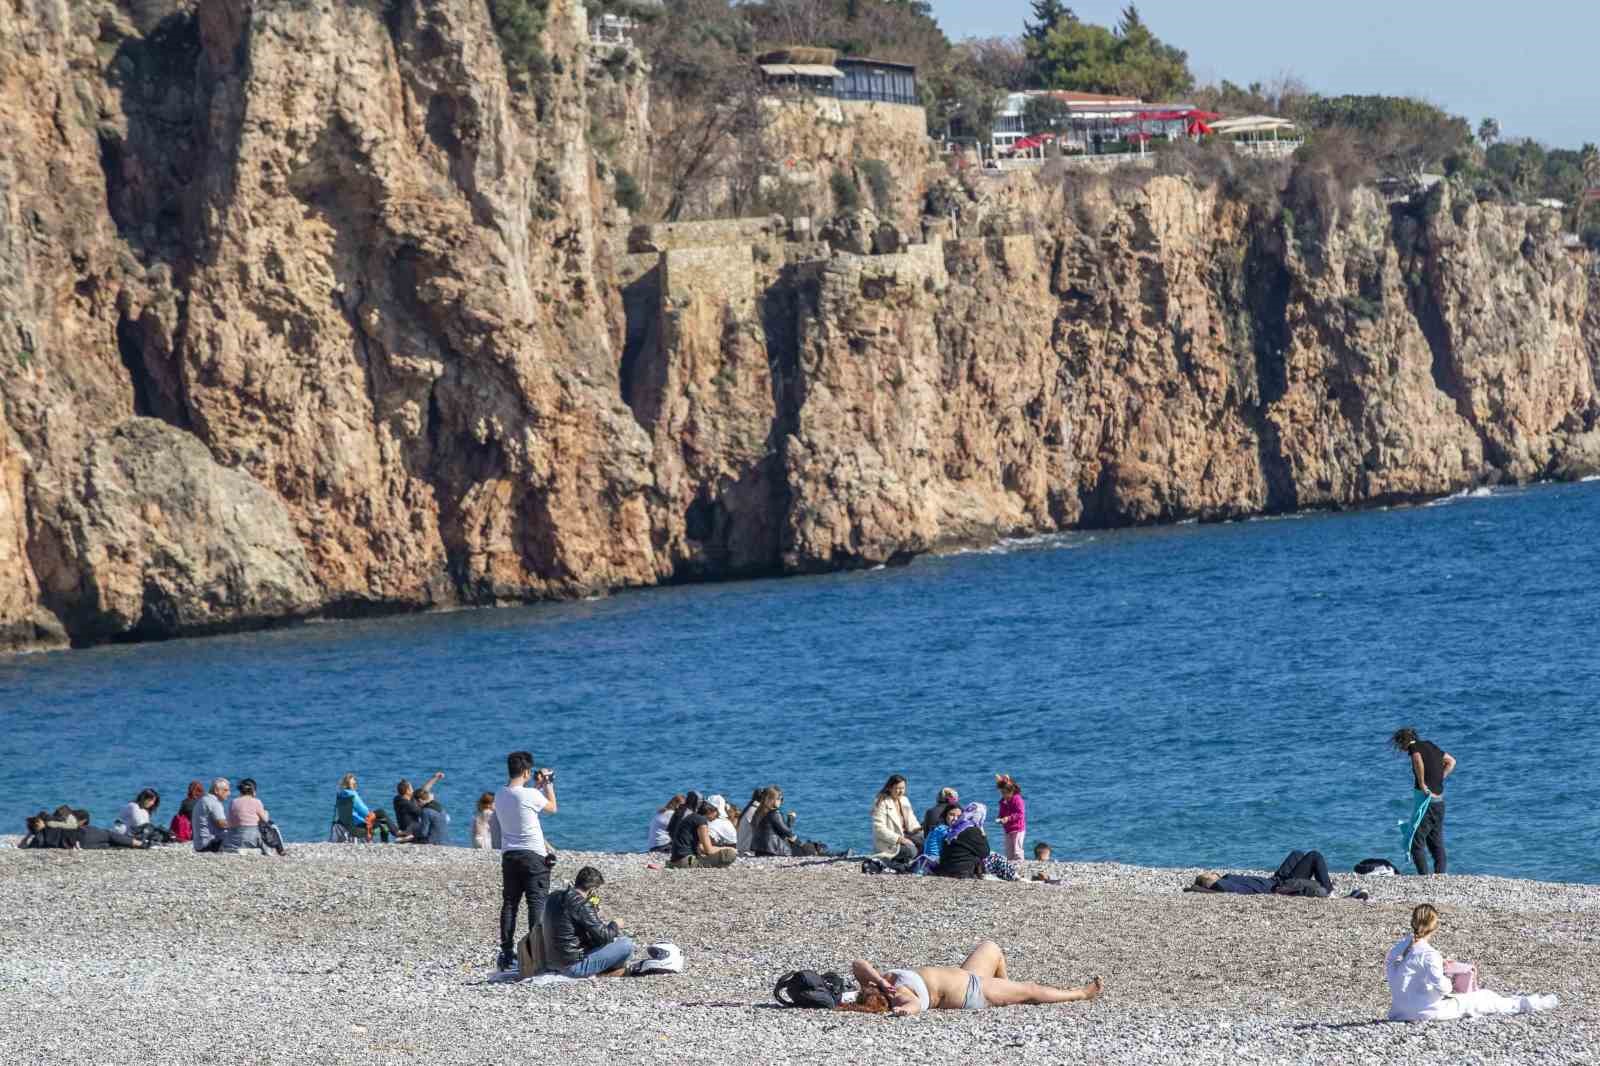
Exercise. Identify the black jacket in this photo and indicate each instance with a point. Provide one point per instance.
(772, 836)
(572, 929)
(963, 856)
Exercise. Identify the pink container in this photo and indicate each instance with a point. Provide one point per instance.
(1463, 975)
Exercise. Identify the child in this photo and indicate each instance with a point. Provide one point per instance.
(1013, 815)
(1041, 852)
(482, 832)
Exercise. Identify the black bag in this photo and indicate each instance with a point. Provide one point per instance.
(270, 838)
(808, 988)
(151, 835)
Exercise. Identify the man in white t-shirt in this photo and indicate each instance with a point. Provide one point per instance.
(525, 858)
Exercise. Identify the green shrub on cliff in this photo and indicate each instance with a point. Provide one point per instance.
(846, 194)
(880, 182)
(628, 193)
(519, 24)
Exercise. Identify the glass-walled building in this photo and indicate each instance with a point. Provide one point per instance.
(877, 79)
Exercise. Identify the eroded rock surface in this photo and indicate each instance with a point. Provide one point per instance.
(303, 309)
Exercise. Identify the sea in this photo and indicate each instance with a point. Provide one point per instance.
(1197, 695)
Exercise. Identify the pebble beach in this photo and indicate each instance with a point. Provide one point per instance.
(375, 954)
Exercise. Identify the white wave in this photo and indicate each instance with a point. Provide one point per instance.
(1591, 477)
(1482, 492)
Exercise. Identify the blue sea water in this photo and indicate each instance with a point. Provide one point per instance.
(1199, 695)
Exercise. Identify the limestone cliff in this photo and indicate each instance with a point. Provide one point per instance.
(305, 311)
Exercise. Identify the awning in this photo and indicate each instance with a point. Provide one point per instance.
(800, 70)
(1252, 124)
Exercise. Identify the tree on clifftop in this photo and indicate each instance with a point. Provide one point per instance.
(1046, 15)
(1130, 60)
(1488, 131)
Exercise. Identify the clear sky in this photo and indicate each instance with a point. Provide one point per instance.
(1533, 66)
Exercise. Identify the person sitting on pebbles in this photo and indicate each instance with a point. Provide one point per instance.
(980, 981)
(1421, 991)
(577, 943)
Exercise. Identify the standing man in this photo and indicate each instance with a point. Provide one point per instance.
(1430, 765)
(525, 859)
(210, 817)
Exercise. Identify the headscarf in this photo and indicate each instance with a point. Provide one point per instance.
(973, 815)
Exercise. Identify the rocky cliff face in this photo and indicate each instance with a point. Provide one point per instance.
(304, 311)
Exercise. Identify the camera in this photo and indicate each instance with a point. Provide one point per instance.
(544, 775)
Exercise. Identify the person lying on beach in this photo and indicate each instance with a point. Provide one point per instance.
(1421, 991)
(51, 830)
(980, 981)
(93, 838)
(1302, 873)
(577, 942)
(692, 844)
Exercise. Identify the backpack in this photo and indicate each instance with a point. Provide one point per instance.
(530, 953)
(271, 837)
(1376, 866)
(808, 988)
(182, 828)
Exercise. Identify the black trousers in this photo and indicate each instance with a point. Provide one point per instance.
(523, 875)
(1430, 838)
(1304, 865)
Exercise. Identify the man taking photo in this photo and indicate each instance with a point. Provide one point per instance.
(525, 859)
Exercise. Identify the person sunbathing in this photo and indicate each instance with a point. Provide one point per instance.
(1301, 873)
(980, 981)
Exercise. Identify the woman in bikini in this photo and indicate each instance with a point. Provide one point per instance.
(980, 981)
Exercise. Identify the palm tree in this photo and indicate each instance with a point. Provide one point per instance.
(1488, 131)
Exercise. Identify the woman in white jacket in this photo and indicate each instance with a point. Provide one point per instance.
(1420, 991)
(896, 833)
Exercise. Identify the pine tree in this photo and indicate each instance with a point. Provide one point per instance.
(1047, 14)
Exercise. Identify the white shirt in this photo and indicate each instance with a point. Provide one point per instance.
(723, 833)
(658, 837)
(133, 816)
(517, 810)
(1417, 983)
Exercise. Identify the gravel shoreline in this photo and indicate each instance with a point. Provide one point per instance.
(352, 954)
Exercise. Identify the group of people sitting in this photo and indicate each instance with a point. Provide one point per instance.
(692, 830)
(951, 840)
(419, 817)
(206, 819)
